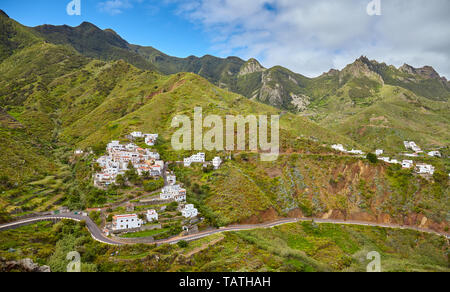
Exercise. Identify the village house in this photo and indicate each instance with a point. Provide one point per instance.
(196, 158)
(385, 159)
(435, 154)
(189, 211)
(181, 197)
(425, 169)
(413, 146)
(150, 139)
(124, 222)
(173, 192)
(171, 179)
(137, 135)
(407, 163)
(339, 147)
(79, 152)
(379, 152)
(216, 162)
(356, 152)
(152, 215)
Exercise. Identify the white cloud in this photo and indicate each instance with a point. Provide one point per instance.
(311, 37)
(114, 7)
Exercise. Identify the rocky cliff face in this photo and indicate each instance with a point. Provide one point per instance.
(25, 265)
(250, 67)
(426, 72)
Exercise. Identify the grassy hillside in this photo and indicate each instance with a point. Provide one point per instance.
(315, 185)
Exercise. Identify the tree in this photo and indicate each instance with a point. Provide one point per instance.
(120, 180)
(372, 158)
(183, 244)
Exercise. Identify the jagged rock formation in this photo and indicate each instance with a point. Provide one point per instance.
(250, 67)
(24, 265)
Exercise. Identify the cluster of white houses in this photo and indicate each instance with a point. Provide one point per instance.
(201, 158)
(132, 221)
(118, 158)
(340, 147)
(421, 168)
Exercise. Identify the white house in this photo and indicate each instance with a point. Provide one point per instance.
(181, 197)
(339, 147)
(171, 179)
(413, 146)
(189, 211)
(124, 222)
(425, 169)
(434, 154)
(407, 163)
(411, 155)
(137, 135)
(216, 162)
(385, 159)
(196, 158)
(379, 152)
(199, 158)
(394, 161)
(150, 139)
(79, 152)
(152, 215)
(187, 162)
(357, 152)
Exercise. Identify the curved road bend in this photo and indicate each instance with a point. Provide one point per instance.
(98, 235)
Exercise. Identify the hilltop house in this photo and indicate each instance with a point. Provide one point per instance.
(79, 152)
(174, 192)
(171, 179)
(152, 215)
(413, 146)
(196, 158)
(435, 154)
(379, 152)
(356, 152)
(189, 211)
(425, 169)
(407, 163)
(137, 135)
(150, 139)
(339, 147)
(124, 222)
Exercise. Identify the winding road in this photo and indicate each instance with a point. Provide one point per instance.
(98, 235)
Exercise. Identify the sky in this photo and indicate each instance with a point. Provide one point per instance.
(307, 37)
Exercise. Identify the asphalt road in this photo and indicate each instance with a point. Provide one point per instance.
(98, 235)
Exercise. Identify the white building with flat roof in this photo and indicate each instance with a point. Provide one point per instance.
(124, 222)
(171, 179)
(407, 163)
(379, 152)
(152, 215)
(413, 146)
(425, 169)
(339, 147)
(189, 211)
(196, 158)
(434, 154)
(137, 135)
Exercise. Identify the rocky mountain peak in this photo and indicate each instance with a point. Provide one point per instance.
(251, 66)
(427, 72)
